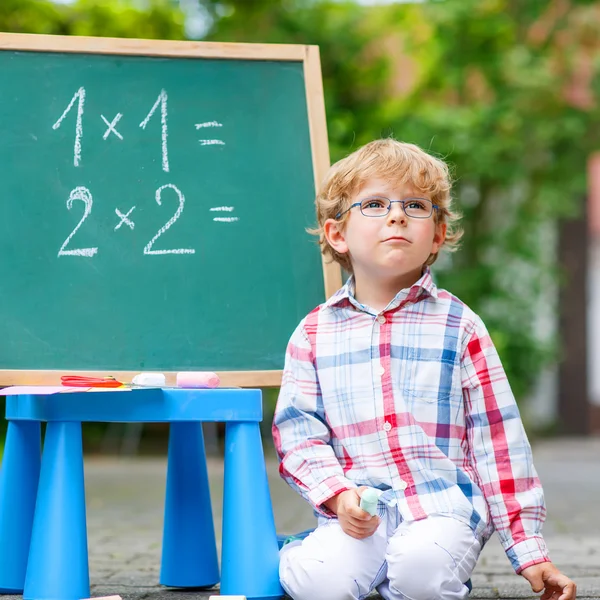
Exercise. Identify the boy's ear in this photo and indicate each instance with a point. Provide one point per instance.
(439, 237)
(334, 235)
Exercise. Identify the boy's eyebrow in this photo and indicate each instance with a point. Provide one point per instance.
(373, 194)
(386, 195)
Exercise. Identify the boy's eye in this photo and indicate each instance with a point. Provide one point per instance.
(374, 203)
(416, 205)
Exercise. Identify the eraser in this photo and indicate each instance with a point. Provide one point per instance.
(369, 499)
(150, 379)
(198, 379)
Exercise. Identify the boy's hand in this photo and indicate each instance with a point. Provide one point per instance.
(354, 521)
(545, 576)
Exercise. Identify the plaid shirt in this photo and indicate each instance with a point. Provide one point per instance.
(414, 401)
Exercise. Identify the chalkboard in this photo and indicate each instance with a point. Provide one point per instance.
(153, 207)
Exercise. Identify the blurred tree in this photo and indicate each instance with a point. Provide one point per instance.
(152, 19)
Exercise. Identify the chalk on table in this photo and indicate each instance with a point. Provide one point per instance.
(197, 379)
(116, 597)
(150, 379)
(227, 597)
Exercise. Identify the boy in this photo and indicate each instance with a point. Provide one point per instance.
(396, 385)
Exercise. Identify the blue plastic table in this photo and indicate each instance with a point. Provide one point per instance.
(43, 535)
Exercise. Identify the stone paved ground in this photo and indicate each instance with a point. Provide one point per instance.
(125, 503)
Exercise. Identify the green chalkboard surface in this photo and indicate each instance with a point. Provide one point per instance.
(153, 210)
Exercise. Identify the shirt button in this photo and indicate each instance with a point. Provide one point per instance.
(381, 370)
(402, 485)
(381, 319)
(387, 426)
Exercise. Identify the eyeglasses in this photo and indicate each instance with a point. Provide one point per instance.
(378, 206)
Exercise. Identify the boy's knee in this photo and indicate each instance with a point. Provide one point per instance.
(423, 572)
(307, 578)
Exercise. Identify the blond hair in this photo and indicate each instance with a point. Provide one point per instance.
(397, 163)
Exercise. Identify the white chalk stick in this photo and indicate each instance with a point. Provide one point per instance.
(149, 379)
(227, 598)
(117, 597)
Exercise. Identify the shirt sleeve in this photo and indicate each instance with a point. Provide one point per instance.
(500, 452)
(300, 431)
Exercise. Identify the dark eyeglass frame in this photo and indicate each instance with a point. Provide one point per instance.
(389, 207)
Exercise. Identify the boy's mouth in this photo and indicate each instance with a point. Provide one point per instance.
(396, 238)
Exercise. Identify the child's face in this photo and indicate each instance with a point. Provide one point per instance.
(386, 247)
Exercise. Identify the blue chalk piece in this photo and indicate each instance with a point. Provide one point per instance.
(368, 501)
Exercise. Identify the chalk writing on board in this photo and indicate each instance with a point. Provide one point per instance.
(125, 219)
(162, 101)
(209, 124)
(148, 248)
(223, 209)
(83, 194)
(80, 96)
(112, 126)
(210, 142)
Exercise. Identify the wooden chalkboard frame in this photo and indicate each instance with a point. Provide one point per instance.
(308, 55)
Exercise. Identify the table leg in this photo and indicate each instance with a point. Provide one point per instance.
(250, 554)
(58, 559)
(19, 478)
(189, 552)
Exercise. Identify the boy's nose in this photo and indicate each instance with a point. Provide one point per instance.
(396, 213)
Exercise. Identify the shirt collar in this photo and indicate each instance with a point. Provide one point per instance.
(423, 287)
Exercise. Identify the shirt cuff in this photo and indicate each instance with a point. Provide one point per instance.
(327, 489)
(530, 551)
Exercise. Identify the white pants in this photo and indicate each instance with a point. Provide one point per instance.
(429, 559)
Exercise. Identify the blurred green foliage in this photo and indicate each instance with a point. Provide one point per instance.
(153, 19)
(504, 90)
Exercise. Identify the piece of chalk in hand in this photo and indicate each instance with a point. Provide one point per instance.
(197, 379)
(368, 501)
(150, 379)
